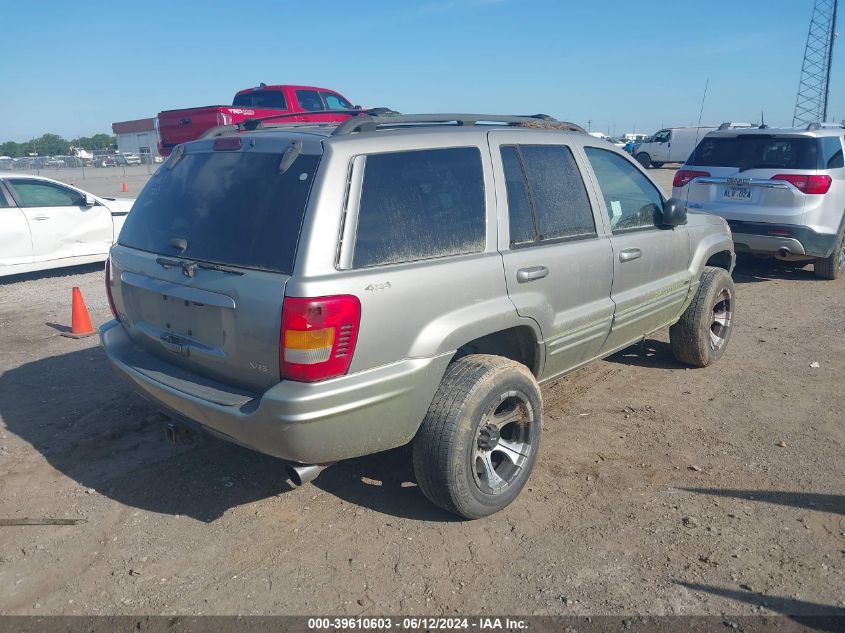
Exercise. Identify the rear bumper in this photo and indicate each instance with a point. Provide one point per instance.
(798, 240)
(310, 423)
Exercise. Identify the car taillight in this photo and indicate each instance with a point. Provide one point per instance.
(318, 337)
(109, 281)
(224, 119)
(806, 183)
(683, 176)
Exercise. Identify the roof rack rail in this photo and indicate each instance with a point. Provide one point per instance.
(248, 125)
(371, 123)
(817, 125)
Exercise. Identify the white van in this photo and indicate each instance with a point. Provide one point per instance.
(675, 144)
(669, 145)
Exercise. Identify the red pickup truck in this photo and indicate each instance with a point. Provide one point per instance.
(181, 126)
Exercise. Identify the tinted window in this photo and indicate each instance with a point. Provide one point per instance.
(662, 136)
(756, 151)
(262, 99)
(421, 204)
(831, 152)
(310, 100)
(546, 194)
(335, 102)
(230, 207)
(33, 193)
(632, 201)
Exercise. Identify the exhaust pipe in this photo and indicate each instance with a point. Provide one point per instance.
(301, 474)
(784, 252)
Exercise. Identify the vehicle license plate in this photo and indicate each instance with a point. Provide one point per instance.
(737, 193)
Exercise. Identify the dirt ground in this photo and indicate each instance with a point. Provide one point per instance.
(659, 490)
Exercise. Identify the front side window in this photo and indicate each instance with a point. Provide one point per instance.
(310, 100)
(661, 137)
(632, 201)
(419, 205)
(547, 199)
(335, 102)
(34, 193)
(831, 153)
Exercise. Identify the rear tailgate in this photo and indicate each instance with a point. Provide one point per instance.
(745, 173)
(750, 196)
(199, 273)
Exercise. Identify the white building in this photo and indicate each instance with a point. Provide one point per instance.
(137, 137)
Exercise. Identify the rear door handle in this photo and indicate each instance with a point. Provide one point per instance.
(41, 217)
(530, 274)
(630, 254)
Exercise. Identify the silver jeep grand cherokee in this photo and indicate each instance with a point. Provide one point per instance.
(318, 293)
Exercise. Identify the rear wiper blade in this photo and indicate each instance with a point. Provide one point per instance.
(219, 268)
(189, 267)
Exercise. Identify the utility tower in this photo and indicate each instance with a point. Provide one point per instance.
(814, 87)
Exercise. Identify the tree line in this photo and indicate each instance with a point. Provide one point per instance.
(55, 145)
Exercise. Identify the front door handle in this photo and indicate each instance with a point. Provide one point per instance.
(530, 274)
(630, 254)
(41, 217)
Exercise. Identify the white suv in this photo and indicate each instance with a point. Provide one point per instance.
(782, 191)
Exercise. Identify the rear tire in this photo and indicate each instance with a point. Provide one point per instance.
(656, 165)
(701, 335)
(479, 440)
(643, 159)
(833, 266)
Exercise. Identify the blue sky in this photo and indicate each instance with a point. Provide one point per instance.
(74, 67)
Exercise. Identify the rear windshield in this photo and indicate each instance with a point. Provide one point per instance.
(261, 99)
(230, 207)
(756, 152)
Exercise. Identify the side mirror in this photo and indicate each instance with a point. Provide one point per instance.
(88, 200)
(674, 213)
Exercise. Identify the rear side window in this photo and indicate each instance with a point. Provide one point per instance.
(756, 151)
(310, 100)
(632, 201)
(420, 204)
(262, 99)
(547, 199)
(230, 207)
(831, 152)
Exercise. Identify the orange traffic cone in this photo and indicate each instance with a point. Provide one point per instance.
(124, 189)
(80, 319)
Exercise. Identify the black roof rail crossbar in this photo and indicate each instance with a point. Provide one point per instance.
(369, 123)
(252, 124)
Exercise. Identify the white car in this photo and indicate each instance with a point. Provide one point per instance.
(48, 224)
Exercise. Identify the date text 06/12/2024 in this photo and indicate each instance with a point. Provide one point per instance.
(416, 623)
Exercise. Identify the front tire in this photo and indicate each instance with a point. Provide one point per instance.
(479, 440)
(656, 165)
(833, 266)
(701, 335)
(643, 159)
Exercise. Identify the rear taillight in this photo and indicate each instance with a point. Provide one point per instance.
(318, 337)
(807, 184)
(683, 176)
(109, 282)
(224, 119)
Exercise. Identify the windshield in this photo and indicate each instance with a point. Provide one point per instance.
(756, 151)
(230, 207)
